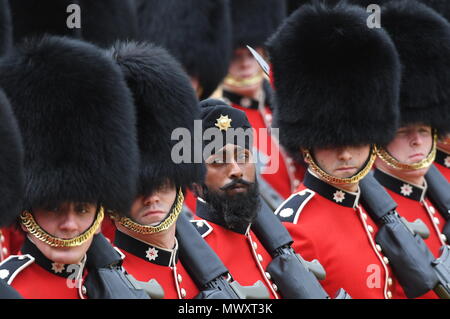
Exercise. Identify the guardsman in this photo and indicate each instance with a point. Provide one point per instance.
(404, 161)
(165, 101)
(12, 182)
(198, 34)
(76, 118)
(228, 199)
(246, 88)
(337, 83)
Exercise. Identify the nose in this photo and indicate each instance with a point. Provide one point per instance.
(152, 199)
(416, 139)
(344, 155)
(69, 223)
(235, 170)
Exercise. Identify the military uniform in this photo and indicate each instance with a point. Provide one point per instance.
(315, 70)
(56, 281)
(241, 251)
(145, 262)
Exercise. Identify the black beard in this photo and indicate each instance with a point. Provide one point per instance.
(236, 210)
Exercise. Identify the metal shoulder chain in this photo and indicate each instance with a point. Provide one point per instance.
(337, 180)
(34, 229)
(392, 162)
(164, 225)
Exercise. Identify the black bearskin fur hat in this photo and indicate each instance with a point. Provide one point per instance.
(76, 116)
(336, 80)
(422, 38)
(165, 101)
(5, 27)
(196, 32)
(11, 168)
(254, 21)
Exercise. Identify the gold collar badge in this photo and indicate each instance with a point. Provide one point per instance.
(223, 122)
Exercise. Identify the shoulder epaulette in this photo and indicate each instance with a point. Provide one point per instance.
(290, 209)
(202, 226)
(13, 265)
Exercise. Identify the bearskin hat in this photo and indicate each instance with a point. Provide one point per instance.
(11, 168)
(336, 80)
(165, 101)
(5, 27)
(254, 21)
(196, 32)
(76, 116)
(106, 21)
(422, 39)
(36, 17)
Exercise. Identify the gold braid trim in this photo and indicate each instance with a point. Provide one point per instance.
(33, 228)
(232, 81)
(145, 229)
(392, 162)
(337, 180)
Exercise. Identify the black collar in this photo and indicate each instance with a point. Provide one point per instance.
(400, 186)
(153, 254)
(442, 158)
(246, 102)
(61, 270)
(205, 211)
(336, 195)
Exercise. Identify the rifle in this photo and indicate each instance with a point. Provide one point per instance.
(412, 262)
(212, 276)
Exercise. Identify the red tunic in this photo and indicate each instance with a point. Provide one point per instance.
(145, 262)
(241, 252)
(442, 162)
(329, 224)
(11, 239)
(36, 277)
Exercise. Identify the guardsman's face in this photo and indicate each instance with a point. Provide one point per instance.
(152, 209)
(230, 170)
(444, 143)
(410, 145)
(342, 162)
(244, 66)
(66, 221)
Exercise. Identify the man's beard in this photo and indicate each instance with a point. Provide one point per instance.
(237, 210)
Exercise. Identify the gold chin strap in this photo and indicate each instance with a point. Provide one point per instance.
(34, 229)
(236, 82)
(392, 162)
(337, 180)
(145, 229)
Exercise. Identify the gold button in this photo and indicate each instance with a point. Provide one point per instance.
(255, 245)
(274, 287)
(268, 276)
(378, 247)
(260, 258)
(4, 250)
(443, 237)
(268, 117)
(296, 182)
(83, 290)
(364, 216)
(370, 229)
(2, 238)
(180, 279)
(432, 210)
(390, 281)
(386, 260)
(436, 220)
(183, 293)
(389, 294)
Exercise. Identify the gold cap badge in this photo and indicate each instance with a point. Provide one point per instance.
(223, 122)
